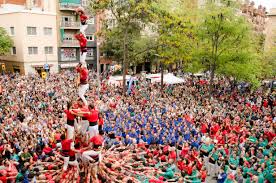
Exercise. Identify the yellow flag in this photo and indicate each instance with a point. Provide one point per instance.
(43, 75)
(3, 67)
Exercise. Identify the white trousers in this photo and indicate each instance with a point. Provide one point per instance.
(206, 160)
(87, 155)
(82, 91)
(212, 169)
(232, 171)
(74, 163)
(83, 58)
(66, 162)
(83, 126)
(83, 28)
(70, 132)
(93, 131)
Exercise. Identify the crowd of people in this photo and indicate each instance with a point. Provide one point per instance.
(50, 134)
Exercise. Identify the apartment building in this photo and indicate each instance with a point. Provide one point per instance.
(270, 40)
(68, 24)
(32, 27)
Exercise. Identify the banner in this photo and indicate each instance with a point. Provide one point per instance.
(43, 75)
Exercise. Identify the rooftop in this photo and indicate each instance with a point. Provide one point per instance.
(272, 12)
(12, 8)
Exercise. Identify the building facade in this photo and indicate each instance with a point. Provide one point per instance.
(32, 27)
(270, 40)
(68, 24)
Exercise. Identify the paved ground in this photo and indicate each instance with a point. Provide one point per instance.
(210, 180)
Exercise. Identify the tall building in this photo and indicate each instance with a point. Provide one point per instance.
(270, 40)
(68, 24)
(32, 27)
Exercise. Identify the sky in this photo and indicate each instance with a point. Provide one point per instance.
(267, 3)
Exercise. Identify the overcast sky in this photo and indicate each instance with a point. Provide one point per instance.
(267, 3)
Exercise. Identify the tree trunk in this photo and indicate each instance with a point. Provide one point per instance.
(162, 78)
(211, 84)
(124, 64)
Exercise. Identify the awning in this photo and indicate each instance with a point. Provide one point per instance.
(105, 61)
(70, 65)
(168, 78)
(41, 65)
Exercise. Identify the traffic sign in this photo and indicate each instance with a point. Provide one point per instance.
(3, 67)
(43, 75)
(46, 66)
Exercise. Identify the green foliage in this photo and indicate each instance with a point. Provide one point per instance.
(131, 17)
(216, 39)
(226, 45)
(269, 63)
(5, 42)
(175, 32)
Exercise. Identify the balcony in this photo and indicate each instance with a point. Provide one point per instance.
(68, 6)
(70, 25)
(70, 43)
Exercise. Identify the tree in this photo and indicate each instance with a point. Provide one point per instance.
(269, 63)
(5, 42)
(225, 45)
(175, 33)
(130, 16)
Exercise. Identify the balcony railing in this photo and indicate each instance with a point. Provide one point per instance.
(70, 43)
(70, 25)
(68, 6)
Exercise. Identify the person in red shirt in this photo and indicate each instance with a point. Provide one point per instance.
(83, 85)
(83, 19)
(96, 142)
(92, 117)
(203, 174)
(70, 121)
(83, 43)
(72, 156)
(100, 123)
(204, 128)
(66, 145)
(185, 150)
(172, 154)
(48, 150)
(83, 123)
(3, 178)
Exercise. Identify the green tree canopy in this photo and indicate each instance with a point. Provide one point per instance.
(5, 42)
(122, 40)
(225, 45)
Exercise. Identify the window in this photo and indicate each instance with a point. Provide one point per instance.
(91, 21)
(90, 53)
(13, 50)
(90, 37)
(84, 3)
(32, 50)
(48, 50)
(31, 30)
(12, 31)
(47, 31)
(67, 19)
(35, 3)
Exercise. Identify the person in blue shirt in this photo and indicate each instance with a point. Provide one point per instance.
(195, 143)
(148, 139)
(133, 133)
(221, 176)
(187, 135)
(162, 140)
(128, 140)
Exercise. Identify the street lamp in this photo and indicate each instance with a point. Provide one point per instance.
(98, 66)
